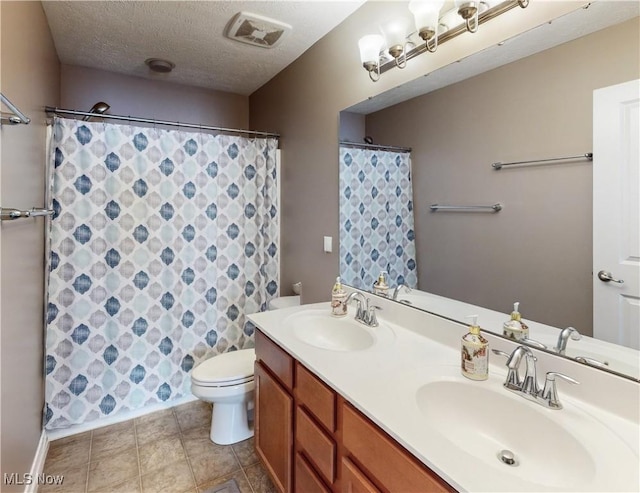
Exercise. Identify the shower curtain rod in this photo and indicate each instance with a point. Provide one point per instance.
(61, 111)
(375, 146)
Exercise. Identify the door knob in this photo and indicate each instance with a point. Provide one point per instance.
(605, 276)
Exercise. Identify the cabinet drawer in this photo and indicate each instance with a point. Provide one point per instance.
(386, 461)
(277, 360)
(314, 394)
(354, 480)
(306, 480)
(319, 448)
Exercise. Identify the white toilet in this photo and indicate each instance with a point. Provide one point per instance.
(226, 380)
(284, 302)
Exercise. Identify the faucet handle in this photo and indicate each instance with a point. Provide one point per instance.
(533, 343)
(592, 362)
(500, 353)
(550, 392)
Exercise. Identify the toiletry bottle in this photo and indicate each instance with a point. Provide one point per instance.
(475, 353)
(515, 328)
(338, 300)
(380, 286)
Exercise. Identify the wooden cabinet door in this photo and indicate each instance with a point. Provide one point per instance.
(274, 428)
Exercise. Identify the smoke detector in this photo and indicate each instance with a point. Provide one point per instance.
(257, 30)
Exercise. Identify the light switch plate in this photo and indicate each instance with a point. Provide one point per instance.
(328, 244)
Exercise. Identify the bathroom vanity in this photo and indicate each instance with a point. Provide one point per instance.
(312, 440)
(345, 407)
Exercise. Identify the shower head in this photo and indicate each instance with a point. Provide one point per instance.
(99, 108)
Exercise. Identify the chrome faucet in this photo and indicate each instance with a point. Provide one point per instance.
(529, 384)
(528, 387)
(364, 313)
(513, 381)
(396, 290)
(561, 345)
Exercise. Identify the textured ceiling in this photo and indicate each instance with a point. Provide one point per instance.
(119, 36)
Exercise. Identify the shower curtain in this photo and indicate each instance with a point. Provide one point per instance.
(376, 217)
(160, 244)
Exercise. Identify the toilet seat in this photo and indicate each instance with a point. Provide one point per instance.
(225, 370)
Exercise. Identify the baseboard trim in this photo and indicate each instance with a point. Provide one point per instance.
(125, 416)
(37, 467)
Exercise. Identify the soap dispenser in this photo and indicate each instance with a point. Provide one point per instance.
(338, 299)
(475, 353)
(381, 287)
(515, 328)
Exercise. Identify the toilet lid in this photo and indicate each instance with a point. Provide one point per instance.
(226, 368)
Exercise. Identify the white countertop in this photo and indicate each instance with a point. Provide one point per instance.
(382, 381)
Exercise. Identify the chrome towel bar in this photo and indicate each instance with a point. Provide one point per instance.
(588, 156)
(17, 117)
(9, 214)
(465, 208)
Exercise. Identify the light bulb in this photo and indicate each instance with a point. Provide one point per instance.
(395, 35)
(426, 14)
(370, 46)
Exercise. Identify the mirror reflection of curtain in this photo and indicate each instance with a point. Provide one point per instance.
(161, 242)
(376, 217)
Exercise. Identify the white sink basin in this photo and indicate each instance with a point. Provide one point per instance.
(558, 449)
(538, 444)
(321, 330)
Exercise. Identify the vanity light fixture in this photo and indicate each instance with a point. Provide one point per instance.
(427, 17)
(370, 47)
(468, 10)
(433, 26)
(395, 36)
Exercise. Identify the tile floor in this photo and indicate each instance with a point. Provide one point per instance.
(168, 451)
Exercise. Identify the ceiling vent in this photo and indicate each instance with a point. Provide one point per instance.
(257, 30)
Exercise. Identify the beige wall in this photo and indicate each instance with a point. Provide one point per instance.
(302, 103)
(30, 79)
(352, 127)
(82, 87)
(538, 250)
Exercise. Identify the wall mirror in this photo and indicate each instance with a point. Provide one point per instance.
(530, 98)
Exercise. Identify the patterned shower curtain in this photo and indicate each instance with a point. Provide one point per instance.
(376, 217)
(161, 242)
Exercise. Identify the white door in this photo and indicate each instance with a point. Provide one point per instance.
(616, 214)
